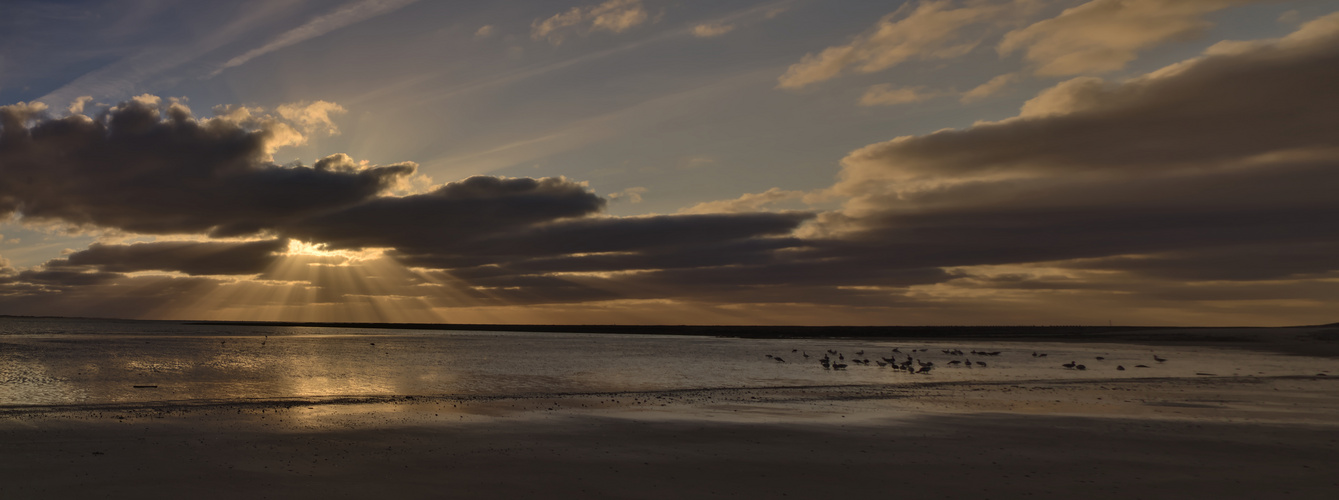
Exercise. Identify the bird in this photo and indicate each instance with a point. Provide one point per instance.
(924, 369)
(896, 350)
(806, 355)
(1070, 364)
(779, 360)
(839, 366)
(1120, 368)
(860, 352)
(839, 356)
(955, 362)
(1141, 366)
(1099, 358)
(881, 364)
(1081, 367)
(1042, 355)
(830, 351)
(980, 363)
(794, 350)
(1156, 358)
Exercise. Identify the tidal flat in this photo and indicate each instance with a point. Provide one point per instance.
(162, 410)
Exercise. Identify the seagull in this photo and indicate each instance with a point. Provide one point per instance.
(806, 355)
(1156, 358)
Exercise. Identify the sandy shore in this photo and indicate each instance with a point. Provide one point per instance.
(1216, 437)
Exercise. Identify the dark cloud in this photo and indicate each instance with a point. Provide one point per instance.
(1218, 168)
(1211, 112)
(450, 216)
(189, 257)
(60, 276)
(136, 170)
(1249, 262)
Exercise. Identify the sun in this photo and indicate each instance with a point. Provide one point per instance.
(298, 248)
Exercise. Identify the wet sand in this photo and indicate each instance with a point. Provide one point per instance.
(1167, 435)
(1214, 437)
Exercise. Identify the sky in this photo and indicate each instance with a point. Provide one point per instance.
(927, 162)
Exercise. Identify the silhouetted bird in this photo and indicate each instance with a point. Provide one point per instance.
(1099, 358)
(839, 366)
(779, 360)
(1120, 368)
(1141, 366)
(860, 352)
(1156, 358)
(980, 363)
(881, 364)
(1081, 367)
(1070, 364)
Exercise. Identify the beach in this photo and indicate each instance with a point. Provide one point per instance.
(1031, 429)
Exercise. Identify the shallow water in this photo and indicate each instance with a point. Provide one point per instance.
(46, 362)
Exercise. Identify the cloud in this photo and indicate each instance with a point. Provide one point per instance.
(632, 195)
(614, 16)
(188, 257)
(991, 87)
(708, 30)
(485, 31)
(345, 16)
(926, 30)
(137, 169)
(751, 202)
(450, 216)
(886, 95)
(1210, 112)
(1104, 35)
(1213, 159)
(312, 116)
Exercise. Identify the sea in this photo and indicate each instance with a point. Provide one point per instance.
(55, 362)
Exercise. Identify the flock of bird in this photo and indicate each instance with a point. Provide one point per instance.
(913, 365)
